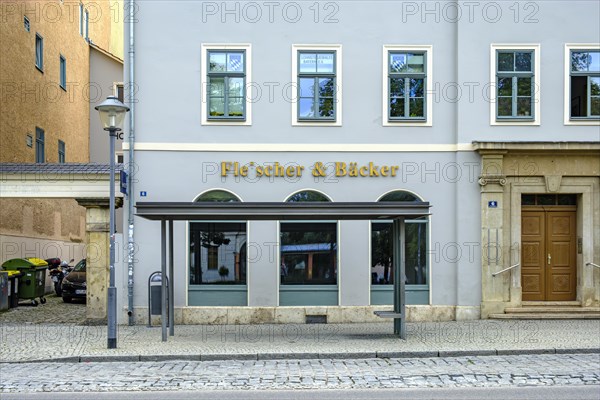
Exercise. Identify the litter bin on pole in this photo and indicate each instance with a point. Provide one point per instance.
(33, 282)
(155, 296)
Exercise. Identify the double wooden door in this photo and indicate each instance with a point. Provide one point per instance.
(549, 254)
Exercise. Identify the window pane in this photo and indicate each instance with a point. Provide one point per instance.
(523, 62)
(307, 195)
(524, 106)
(217, 87)
(415, 62)
(416, 253)
(307, 87)
(381, 254)
(505, 87)
(326, 87)
(416, 87)
(595, 86)
(594, 61)
(524, 87)
(397, 87)
(399, 195)
(325, 62)
(397, 62)
(504, 106)
(567, 200)
(595, 106)
(326, 108)
(236, 87)
(236, 107)
(217, 253)
(308, 62)
(416, 108)
(397, 107)
(219, 196)
(505, 61)
(308, 254)
(216, 107)
(546, 199)
(528, 199)
(307, 108)
(216, 62)
(235, 62)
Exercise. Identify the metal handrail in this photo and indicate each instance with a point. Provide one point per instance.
(593, 265)
(505, 269)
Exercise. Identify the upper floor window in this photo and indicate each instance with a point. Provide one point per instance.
(226, 84)
(226, 71)
(515, 85)
(585, 84)
(26, 24)
(406, 82)
(316, 86)
(63, 72)
(317, 79)
(40, 146)
(61, 152)
(39, 52)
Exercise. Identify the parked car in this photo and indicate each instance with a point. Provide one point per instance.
(74, 285)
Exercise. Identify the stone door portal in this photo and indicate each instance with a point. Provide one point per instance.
(548, 261)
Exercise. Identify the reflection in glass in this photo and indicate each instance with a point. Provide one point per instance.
(524, 87)
(235, 106)
(221, 196)
(397, 107)
(326, 88)
(522, 61)
(217, 87)
(216, 62)
(505, 106)
(216, 106)
(308, 62)
(326, 108)
(505, 87)
(523, 106)
(505, 62)
(397, 87)
(217, 253)
(236, 87)
(325, 62)
(416, 87)
(307, 108)
(415, 63)
(308, 254)
(416, 107)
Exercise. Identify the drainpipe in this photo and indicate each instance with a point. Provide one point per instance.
(131, 6)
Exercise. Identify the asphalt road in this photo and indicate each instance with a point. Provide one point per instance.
(498, 393)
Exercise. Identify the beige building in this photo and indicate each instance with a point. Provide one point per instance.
(47, 93)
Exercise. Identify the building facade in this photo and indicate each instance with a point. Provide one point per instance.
(489, 112)
(48, 85)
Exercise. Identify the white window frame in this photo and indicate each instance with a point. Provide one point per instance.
(428, 50)
(536, 48)
(567, 83)
(247, 47)
(337, 48)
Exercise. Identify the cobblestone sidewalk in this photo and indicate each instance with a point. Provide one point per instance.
(477, 371)
(55, 311)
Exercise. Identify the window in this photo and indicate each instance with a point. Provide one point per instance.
(61, 152)
(227, 72)
(514, 84)
(40, 151)
(81, 10)
(29, 140)
(415, 247)
(308, 253)
(406, 85)
(218, 250)
(119, 91)
(317, 80)
(39, 52)
(515, 89)
(26, 24)
(63, 73)
(407, 78)
(585, 84)
(316, 85)
(86, 24)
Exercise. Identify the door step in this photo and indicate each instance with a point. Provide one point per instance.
(551, 303)
(554, 309)
(591, 315)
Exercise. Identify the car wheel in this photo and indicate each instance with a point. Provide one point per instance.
(67, 299)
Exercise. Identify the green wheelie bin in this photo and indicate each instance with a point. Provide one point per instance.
(32, 283)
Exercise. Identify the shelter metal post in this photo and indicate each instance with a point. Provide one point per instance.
(398, 240)
(171, 286)
(163, 271)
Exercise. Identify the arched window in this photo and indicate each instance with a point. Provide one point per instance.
(308, 249)
(307, 195)
(217, 249)
(220, 196)
(415, 246)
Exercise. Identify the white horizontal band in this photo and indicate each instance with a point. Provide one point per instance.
(301, 147)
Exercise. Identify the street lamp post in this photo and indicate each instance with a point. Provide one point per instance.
(112, 113)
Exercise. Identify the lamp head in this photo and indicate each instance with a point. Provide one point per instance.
(112, 113)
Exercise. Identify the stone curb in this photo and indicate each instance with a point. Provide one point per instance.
(306, 356)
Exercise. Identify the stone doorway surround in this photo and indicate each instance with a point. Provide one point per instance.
(510, 169)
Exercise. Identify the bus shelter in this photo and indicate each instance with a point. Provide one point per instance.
(167, 212)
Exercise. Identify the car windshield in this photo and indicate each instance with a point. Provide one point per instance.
(80, 267)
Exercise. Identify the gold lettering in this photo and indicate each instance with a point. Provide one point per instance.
(353, 170)
(299, 170)
(364, 171)
(289, 172)
(340, 169)
(394, 169)
(225, 165)
(373, 169)
(384, 170)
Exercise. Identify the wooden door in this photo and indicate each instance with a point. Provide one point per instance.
(548, 261)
